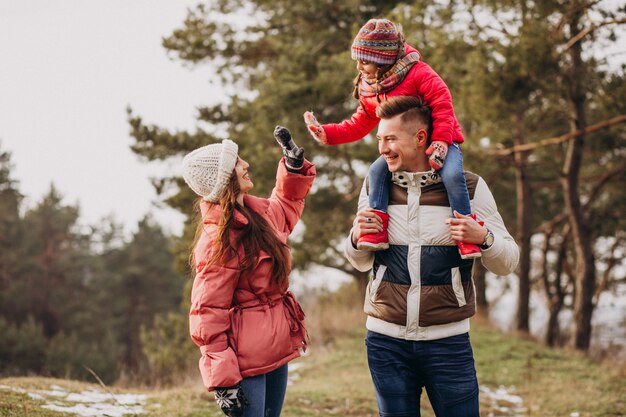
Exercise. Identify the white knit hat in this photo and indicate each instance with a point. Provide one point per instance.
(207, 170)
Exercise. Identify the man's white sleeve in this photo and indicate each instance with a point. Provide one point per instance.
(502, 257)
(361, 260)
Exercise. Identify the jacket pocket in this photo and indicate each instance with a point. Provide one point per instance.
(457, 287)
(375, 282)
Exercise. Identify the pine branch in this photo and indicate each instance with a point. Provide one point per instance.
(548, 225)
(605, 178)
(559, 139)
(590, 29)
(611, 262)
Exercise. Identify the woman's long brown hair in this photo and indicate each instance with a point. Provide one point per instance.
(257, 235)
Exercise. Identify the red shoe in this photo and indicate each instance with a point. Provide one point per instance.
(470, 250)
(376, 241)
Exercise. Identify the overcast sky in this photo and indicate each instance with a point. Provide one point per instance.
(69, 69)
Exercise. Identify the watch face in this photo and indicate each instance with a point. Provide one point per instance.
(489, 238)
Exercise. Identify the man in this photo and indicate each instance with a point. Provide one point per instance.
(421, 294)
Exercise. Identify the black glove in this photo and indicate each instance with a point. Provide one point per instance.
(231, 400)
(294, 155)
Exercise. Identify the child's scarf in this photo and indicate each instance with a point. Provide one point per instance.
(389, 80)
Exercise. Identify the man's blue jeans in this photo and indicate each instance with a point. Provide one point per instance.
(265, 393)
(452, 176)
(401, 368)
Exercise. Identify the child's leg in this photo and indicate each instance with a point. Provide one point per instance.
(379, 185)
(379, 180)
(454, 180)
(458, 196)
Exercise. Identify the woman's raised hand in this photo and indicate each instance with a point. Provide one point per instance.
(294, 155)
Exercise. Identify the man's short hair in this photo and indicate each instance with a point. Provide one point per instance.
(412, 109)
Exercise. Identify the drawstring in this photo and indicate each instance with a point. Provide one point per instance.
(296, 314)
(295, 318)
(293, 313)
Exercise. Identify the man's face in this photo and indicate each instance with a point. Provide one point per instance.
(398, 145)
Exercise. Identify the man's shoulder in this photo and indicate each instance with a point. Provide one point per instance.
(472, 180)
(471, 176)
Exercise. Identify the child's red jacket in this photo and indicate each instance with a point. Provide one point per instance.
(421, 81)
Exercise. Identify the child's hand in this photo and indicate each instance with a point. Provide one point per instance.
(317, 131)
(437, 151)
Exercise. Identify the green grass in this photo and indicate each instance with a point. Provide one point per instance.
(13, 404)
(334, 380)
(552, 382)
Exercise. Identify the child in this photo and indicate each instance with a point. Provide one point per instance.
(390, 67)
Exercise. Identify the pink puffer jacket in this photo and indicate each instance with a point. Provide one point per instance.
(243, 323)
(421, 81)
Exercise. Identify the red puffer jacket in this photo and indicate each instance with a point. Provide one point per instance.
(421, 81)
(243, 323)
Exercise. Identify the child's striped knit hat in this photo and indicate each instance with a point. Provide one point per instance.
(378, 41)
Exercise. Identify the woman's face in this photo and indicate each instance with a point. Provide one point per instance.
(367, 69)
(243, 178)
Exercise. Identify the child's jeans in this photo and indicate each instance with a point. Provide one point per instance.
(265, 393)
(451, 174)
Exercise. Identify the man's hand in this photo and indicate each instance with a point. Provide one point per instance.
(294, 155)
(231, 400)
(317, 131)
(466, 229)
(366, 221)
(437, 152)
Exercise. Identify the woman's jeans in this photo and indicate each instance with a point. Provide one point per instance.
(265, 393)
(401, 368)
(451, 174)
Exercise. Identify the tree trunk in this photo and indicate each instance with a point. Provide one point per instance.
(479, 273)
(585, 260)
(556, 294)
(524, 210)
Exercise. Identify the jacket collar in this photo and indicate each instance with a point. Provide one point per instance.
(211, 211)
(415, 179)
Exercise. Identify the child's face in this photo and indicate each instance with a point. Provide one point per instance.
(367, 69)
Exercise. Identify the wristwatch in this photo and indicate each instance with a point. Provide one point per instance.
(488, 241)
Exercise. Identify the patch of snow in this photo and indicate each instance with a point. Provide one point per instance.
(295, 366)
(293, 372)
(57, 391)
(95, 409)
(502, 403)
(87, 403)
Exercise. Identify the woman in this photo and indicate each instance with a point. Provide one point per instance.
(247, 324)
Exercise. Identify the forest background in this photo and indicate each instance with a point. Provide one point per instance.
(542, 111)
